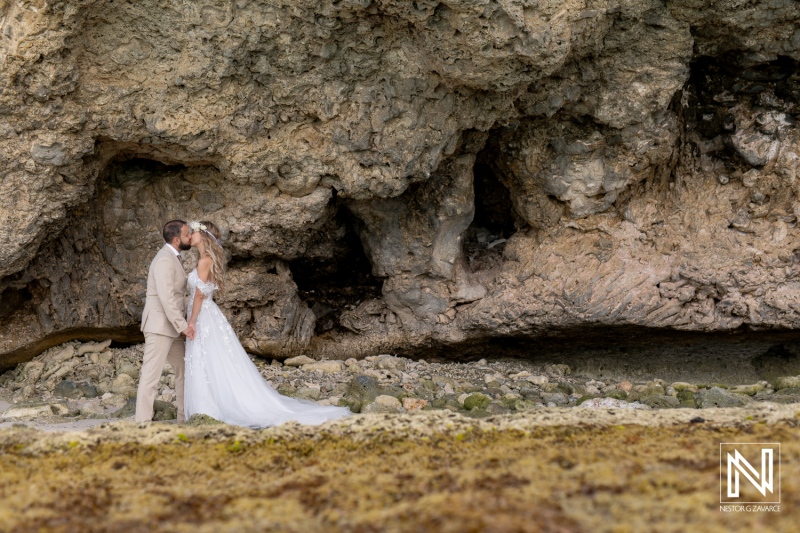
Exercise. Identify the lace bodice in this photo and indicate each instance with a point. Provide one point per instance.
(194, 281)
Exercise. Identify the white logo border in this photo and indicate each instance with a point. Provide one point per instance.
(721, 483)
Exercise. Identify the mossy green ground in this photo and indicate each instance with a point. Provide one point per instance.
(617, 478)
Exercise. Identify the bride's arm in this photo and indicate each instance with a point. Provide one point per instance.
(203, 270)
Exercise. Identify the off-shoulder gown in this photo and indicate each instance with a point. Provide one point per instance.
(222, 381)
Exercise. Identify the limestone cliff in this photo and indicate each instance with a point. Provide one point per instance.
(395, 176)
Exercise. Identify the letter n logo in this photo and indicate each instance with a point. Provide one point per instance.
(748, 472)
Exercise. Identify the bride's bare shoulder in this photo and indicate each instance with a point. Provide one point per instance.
(204, 268)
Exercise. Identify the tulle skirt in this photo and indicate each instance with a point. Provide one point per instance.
(222, 382)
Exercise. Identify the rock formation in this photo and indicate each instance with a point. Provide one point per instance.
(400, 176)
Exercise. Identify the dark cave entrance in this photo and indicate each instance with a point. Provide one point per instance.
(494, 221)
(637, 353)
(717, 84)
(12, 299)
(123, 169)
(99, 243)
(340, 283)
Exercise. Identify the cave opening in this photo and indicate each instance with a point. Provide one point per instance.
(339, 282)
(106, 243)
(126, 168)
(12, 299)
(637, 353)
(495, 219)
(718, 84)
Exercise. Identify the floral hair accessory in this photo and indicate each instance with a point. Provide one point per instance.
(197, 226)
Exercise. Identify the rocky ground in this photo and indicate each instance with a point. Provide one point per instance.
(92, 381)
(505, 445)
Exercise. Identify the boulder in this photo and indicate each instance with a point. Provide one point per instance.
(93, 347)
(660, 401)
(414, 404)
(493, 408)
(384, 404)
(555, 398)
(91, 408)
(626, 386)
(287, 389)
(787, 395)
(328, 367)
(617, 394)
(750, 390)
(67, 389)
(537, 380)
(680, 385)
(127, 410)
(64, 355)
(115, 401)
(103, 387)
(784, 382)
(390, 362)
(87, 389)
(307, 393)
(651, 389)
(518, 404)
(526, 391)
(52, 376)
(35, 410)
(164, 411)
(476, 401)
(24, 393)
(718, 397)
(687, 398)
(30, 373)
(565, 388)
(124, 385)
(610, 403)
(361, 390)
(129, 369)
(300, 360)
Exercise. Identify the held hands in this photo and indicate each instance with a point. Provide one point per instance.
(190, 332)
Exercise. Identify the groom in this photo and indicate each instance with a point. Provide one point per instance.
(163, 320)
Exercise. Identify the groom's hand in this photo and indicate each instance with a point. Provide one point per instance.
(189, 332)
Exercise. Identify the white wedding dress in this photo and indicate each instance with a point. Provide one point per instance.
(222, 381)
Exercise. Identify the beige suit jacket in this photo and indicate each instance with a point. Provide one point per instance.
(164, 303)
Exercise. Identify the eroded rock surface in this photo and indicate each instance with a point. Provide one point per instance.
(392, 176)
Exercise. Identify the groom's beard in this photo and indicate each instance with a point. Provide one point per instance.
(184, 247)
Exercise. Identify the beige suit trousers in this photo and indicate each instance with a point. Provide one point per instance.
(157, 349)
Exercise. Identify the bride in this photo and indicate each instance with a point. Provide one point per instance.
(221, 381)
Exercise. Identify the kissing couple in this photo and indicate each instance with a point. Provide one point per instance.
(213, 374)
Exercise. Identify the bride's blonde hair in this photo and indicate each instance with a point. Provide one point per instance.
(212, 238)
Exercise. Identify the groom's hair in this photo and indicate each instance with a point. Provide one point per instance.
(172, 229)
